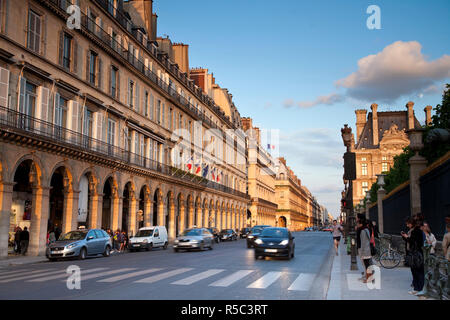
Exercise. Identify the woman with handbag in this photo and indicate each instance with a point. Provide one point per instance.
(365, 251)
(414, 254)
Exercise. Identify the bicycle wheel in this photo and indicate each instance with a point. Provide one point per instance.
(390, 259)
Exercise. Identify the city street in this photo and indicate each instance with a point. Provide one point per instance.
(227, 272)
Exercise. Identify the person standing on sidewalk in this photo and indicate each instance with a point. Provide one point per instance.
(364, 250)
(17, 240)
(337, 233)
(24, 239)
(415, 243)
(430, 239)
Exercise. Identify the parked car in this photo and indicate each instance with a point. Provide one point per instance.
(215, 232)
(148, 238)
(244, 232)
(194, 238)
(275, 242)
(80, 243)
(253, 234)
(228, 235)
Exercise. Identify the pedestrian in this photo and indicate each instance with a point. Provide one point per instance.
(415, 241)
(117, 240)
(57, 232)
(24, 240)
(446, 240)
(51, 237)
(124, 241)
(430, 239)
(376, 231)
(18, 230)
(364, 251)
(337, 230)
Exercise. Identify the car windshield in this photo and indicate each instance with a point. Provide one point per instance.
(192, 232)
(144, 233)
(274, 233)
(257, 230)
(225, 231)
(73, 235)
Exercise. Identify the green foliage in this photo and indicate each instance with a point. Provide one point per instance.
(399, 172)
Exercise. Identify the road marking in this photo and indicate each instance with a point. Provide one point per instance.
(29, 276)
(64, 275)
(303, 282)
(103, 274)
(15, 273)
(129, 275)
(227, 281)
(266, 280)
(163, 275)
(198, 277)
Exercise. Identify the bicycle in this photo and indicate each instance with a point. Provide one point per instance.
(390, 258)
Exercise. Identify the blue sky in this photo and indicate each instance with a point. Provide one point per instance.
(278, 58)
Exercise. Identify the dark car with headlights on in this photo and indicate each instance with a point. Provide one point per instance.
(228, 235)
(215, 233)
(80, 243)
(275, 242)
(254, 234)
(244, 232)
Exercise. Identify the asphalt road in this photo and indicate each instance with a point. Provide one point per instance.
(229, 272)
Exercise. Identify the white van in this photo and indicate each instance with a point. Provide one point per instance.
(148, 238)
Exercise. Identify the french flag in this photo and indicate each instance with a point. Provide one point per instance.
(213, 174)
(198, 168)
(189, 164)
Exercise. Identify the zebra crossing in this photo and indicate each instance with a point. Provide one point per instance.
(219, 278)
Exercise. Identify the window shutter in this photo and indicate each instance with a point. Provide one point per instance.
(119, 44)
(129, 91)
(99, 73)
(4, 87)
(42, 110)
(99, 126)
(55, 106)
(75, 116)
(61, 47)
(125, 138)
(118, 85)
(109, 81)
(152, 109)
(136, 98)
(87, 65)
(144, 104)
(75, 57)
(23, 85)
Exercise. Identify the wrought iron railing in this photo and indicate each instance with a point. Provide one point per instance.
(28, 125)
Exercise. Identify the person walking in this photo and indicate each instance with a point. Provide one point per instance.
(337, 230)
(430, 239)
(415, 241)
(364, 251)
(17, 240)
(24, 240)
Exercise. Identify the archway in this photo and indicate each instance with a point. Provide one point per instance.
(56, 208)
(187, 211)
(126, 206)
(282, 222)
(155, 207)
(178, 213)
(107, 204)
(167, 221)
(141, 207)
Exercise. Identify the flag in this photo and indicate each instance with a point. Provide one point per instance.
(198, 167)
(205, 171)
(189, 164)
(213, 174)
(219, 176)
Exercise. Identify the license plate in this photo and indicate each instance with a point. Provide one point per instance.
(136, 245)
(270, 250)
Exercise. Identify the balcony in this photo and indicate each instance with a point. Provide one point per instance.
(20, 124)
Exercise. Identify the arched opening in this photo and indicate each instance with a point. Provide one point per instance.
(126, 208)
(197, 207)
(107, 204)
(155, 207)
(21, 202)
(186, 212)
(167, 213)
(141, 208)
(282, 222)
(178, 213)
(56, 208)
(84, 199)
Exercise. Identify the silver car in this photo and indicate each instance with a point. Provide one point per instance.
(80, 243)
(195, 238)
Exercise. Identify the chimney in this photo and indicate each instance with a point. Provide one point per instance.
(410, 106)
(143, 10)
(246, 123)
(181, 56)
(154, 33)
(428, 115)
(360, 122)
(374, 108)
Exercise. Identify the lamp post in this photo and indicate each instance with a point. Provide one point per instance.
(380, 195)
(367, 204)
(350, 175)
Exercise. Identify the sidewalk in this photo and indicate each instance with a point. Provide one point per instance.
(21, 260)
(344, 283)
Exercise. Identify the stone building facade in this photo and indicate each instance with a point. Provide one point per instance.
(380, 136)
(261, 179)
(100, 127)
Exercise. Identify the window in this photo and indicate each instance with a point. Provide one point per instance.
(158, 112)
(92, 67)
(34, 31)
(146, 104)
(67, 48)
(365, 187)
(170, 119)
(60, 111)
(364, 169)
(111, 132)
(114, 71)
(384, 167)
(131, 94)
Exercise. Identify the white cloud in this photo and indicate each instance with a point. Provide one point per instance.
(400, 69)
(327, 100)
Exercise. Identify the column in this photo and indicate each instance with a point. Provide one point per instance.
(160, 212)
(417, 163)
(191, 214)
(199, 215)
(132, 214)
(206, 216)
(95, 210)
(182, 210)
(6, 192)
(148, 207)
(39, 221)
(116, 212)
(70, 214)
(171, 218)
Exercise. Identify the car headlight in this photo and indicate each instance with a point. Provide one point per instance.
(250, 237)
(258, 241)
(72, 245)
(176, 241)
(145, 241)
(284, 242)
(194, 241)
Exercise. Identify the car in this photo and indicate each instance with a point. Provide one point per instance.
(80, 244)
(215, 233)
(148, 238)
(275, 242)
(228, 235)
(194, 238)
(244, 232)
(253, 234)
